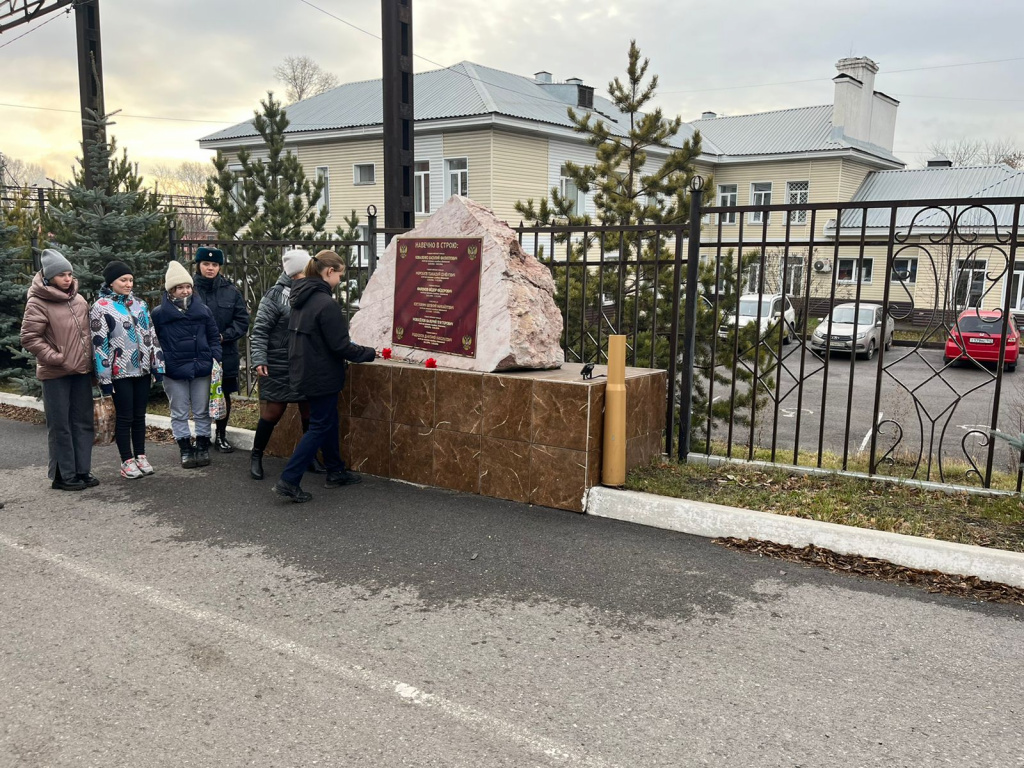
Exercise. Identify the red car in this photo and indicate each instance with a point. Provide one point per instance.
(977, 335)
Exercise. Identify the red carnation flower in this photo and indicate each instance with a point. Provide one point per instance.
(386, 353)
(430, 362)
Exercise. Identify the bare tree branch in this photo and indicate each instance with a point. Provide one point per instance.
(303, 78)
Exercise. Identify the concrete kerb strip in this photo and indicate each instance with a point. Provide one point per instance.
(716, 521)
(240, 438)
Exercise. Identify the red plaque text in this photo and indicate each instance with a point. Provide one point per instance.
(437, 294)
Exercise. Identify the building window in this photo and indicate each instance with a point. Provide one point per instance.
(457, 176)
(570, 193)
(236, 189)
(904, 270)
(727, 195)
(848, 271)
(798, 193)
(323, 172)
(760, 194)
(421, 186)
(362, 252)
(364, 174)
(970, 282)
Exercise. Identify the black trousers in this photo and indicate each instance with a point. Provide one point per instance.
(131, 396)
(67, 402)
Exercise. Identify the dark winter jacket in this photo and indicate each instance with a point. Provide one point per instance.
(190, 340)
(320, 347)
(228, 307)
(269, 343)
(56, 330)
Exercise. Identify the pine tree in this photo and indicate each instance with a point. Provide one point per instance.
(15, 276)
(627, 193)
(267, 199)
(116, 219)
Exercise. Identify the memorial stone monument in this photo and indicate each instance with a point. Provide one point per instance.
(461, 290)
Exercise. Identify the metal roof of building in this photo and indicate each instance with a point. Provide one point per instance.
(979, 182)
(463, 90)
(805, 129)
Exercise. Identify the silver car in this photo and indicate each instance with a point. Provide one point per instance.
(839, 325)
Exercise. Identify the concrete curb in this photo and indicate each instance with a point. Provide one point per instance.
(715, 521)
(240, 438)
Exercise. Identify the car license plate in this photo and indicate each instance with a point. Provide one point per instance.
(981, 341)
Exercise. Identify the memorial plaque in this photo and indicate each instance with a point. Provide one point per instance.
(437, 294)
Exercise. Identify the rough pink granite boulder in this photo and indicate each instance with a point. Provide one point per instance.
(519, 324)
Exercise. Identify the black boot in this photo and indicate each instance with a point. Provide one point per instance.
(256, 464)
(221, 443)
(317, 467)
(293, 492)
(202, 451)
(60, 484)
(188, 453)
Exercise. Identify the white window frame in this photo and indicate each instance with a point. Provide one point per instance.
(236, 188)
(356, 176)
(798, 197)
(757, 197)
(363, 251)
(324, 172)
(421, 186)
(972, 267)
(450, 173)
(862, 269)
(725, 202)
(568, 190)
(912, 272)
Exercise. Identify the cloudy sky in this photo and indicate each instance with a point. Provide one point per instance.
(956, 67)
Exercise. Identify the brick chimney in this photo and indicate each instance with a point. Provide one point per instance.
(859, 112)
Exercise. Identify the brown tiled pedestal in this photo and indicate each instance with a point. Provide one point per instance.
(530, 436)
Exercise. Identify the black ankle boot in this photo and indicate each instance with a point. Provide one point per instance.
(317, 467)
(256, 464)
(188, 453)
(222, 444)
(202, 451)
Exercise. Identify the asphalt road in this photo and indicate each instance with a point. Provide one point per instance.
(942, 405)
(191, 619)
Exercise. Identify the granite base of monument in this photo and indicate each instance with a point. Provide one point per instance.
(528, 436)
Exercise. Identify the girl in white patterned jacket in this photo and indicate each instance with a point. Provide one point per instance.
(127, 354)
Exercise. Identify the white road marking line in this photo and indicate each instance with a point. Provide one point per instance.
(864, 442)
(488, 725)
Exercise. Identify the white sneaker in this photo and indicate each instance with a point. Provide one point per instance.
(130, 470)
(143, 464)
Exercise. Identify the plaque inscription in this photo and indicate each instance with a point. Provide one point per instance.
(437, 294)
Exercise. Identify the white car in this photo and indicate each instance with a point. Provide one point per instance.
(839, 325)
(769, 308)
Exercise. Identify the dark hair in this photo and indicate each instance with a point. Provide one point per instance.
(322, 261)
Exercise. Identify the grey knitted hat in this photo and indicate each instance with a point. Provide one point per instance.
(53, 263)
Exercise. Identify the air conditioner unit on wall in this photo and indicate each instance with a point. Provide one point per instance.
(822, 265)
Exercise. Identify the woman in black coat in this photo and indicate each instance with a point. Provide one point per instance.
(232, 316)
(269, 357)
(319, 353)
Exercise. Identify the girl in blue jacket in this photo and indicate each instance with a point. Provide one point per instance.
(191, 342)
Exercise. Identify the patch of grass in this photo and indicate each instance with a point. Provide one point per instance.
(958, 517)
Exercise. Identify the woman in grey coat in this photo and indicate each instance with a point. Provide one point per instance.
(269, 344)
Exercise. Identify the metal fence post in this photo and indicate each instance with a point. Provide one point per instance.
(371, 246)
(172, 235)
(37, 263)
(690, 319)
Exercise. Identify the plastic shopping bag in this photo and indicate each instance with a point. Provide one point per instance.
(218, 407)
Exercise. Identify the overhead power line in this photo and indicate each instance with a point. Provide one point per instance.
(65, 12)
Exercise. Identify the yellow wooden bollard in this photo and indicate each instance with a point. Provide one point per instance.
(613, 469)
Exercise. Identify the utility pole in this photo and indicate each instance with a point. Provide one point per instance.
(90, 79)
(399, 155)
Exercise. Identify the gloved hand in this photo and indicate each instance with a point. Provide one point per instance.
(107, 389)
(158, 377)
(369, 355)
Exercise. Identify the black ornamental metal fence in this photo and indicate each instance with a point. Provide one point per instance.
(871, 337)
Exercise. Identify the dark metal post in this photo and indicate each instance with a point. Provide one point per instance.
(90, 77)
(371, 228)
(37, 262)
(172, 235)
(396, 18)
(690, 320)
